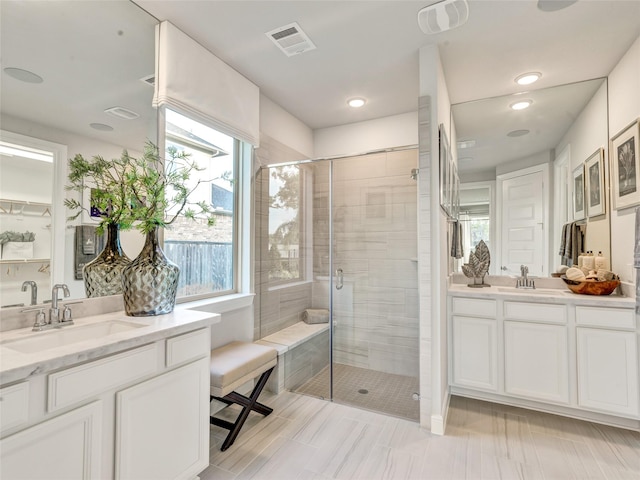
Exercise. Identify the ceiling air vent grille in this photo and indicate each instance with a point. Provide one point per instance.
(291, 39)
(149, 80)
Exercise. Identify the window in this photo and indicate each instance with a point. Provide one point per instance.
(207, 255)
(286, 234)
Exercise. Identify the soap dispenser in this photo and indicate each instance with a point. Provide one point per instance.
(601, 262)
(581, 259)
(588, 262)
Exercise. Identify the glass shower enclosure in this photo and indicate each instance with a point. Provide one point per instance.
(338, 239)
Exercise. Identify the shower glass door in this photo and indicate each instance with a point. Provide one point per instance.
(357, 224)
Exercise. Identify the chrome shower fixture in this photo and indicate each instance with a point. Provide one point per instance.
(414, 173)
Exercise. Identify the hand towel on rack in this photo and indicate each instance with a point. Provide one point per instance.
(457, 250)
(576, 243)
(563, 244)
(315, 315)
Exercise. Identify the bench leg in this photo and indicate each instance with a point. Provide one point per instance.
(248, 403)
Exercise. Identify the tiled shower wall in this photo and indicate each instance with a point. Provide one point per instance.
(375, 244)
(274, 309)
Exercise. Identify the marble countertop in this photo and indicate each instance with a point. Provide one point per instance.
(542, 295)
(16, 365)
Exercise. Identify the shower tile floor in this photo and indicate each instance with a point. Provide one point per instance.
(386, 393)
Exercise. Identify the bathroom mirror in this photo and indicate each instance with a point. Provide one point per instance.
(557, 129)
(80, 75)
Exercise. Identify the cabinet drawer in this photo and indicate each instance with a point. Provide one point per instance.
(606, 317)
(14, 406)
(536, 312)
(84, 381)
(474, 307)
(188, 346)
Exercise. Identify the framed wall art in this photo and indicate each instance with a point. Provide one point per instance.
(445, 171)
(594, 184)
(578, 193)
(625, 166)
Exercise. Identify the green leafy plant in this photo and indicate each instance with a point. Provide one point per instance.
(110, 199)
(159, 186)
(138, 192)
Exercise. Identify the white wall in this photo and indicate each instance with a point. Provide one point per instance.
(526, 162)
(280, 125)
(355, 138)
(587, 134)
(624, 107)
(432, 245)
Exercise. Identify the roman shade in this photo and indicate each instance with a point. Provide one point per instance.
(193, 81)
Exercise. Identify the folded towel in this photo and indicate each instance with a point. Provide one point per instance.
(636, 253)
(315, 315)
(457, 250)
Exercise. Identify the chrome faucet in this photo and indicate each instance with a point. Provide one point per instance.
(524, 281)
(54, 311)
(34, 290)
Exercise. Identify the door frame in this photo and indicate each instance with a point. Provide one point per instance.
(546, 230)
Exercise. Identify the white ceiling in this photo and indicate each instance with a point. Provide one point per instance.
(92, 54)
(370, 49)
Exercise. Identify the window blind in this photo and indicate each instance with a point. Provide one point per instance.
(193, 81)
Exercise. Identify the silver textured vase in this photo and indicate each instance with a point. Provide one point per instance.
(103, 275)
(150, 282)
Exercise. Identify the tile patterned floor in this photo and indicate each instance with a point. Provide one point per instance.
(381, 392)
(309, 438)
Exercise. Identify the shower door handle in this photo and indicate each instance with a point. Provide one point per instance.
(340, 280)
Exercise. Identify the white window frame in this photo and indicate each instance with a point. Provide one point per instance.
(242, 217)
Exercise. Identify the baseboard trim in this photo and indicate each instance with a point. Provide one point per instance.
(439, 422)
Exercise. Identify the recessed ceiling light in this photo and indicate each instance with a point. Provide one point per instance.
(521, 104)
(528, 78)
(517, 133)
(101, 126)
(23, 75)
(356, 102)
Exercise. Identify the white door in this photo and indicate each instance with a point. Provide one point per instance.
(522, 224)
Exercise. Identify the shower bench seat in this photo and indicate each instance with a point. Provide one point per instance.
(302, 353)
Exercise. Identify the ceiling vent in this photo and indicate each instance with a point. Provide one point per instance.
(443, 16)
(291, 39)
(149, 80)
(122, 112)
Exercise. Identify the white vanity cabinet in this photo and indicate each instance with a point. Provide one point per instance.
(536, 352)
(570, 354)
(137, 414)
(67, 446)
(475, 343)
(607, 360)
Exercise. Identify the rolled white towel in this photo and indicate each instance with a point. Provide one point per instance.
(315, 315)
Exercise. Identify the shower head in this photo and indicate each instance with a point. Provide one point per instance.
(414, 173)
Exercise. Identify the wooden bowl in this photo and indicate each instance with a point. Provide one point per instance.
(591, 287)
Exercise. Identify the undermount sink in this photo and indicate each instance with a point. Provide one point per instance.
(37, 342)
(532, 291)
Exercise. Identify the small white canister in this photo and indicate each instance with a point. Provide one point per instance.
(17, 251)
